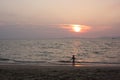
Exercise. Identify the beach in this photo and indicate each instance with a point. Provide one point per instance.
(37, 72)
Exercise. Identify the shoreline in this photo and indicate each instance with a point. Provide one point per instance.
(82, 66)
(61, 64)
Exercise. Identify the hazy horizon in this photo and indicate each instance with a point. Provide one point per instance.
(42, 19)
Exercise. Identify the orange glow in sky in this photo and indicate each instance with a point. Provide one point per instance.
(76, 28)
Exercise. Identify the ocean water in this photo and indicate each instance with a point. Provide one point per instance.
(60, 51)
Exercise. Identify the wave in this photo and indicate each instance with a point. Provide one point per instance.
(19, 61)
(63, 62)
(4, 59)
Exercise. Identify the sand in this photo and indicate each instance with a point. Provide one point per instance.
(37, 72)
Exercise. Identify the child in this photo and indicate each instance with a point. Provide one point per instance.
(73, 59)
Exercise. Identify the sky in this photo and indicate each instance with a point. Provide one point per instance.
(37, 19)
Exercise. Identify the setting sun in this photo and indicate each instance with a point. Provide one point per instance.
(76, 28)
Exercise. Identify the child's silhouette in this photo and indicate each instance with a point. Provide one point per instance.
(73, 59)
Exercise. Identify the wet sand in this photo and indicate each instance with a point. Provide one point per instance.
(37, 72)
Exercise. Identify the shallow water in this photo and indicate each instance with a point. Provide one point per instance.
(59, 51)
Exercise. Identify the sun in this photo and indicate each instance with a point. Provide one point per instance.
(76, 28)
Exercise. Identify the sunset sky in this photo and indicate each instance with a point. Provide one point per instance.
(37, 19)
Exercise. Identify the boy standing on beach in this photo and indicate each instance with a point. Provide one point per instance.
(73, 59)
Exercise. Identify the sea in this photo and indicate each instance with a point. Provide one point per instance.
(60, 51)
